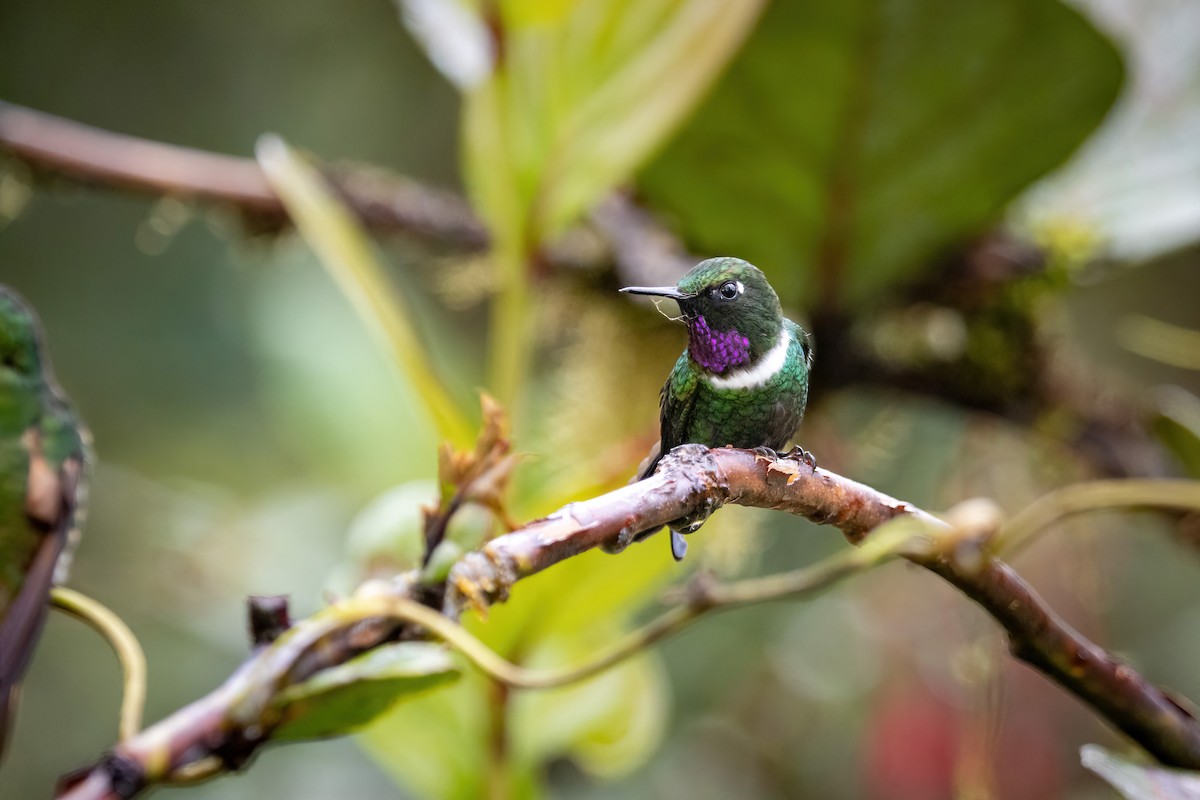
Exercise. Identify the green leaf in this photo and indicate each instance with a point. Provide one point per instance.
(851, 143)
(437, 745)
(583, 93)
(1138, 781)
(345, 698)
(390, 528)
(579, 94)
(344, 248)
(442, 744)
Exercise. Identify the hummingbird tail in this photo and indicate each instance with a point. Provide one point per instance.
(650, 463)
(22, 625)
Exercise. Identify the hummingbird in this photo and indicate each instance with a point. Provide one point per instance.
(44, 458)
(743, 378)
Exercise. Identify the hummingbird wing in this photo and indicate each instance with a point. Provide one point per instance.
(55, 490)
(788, 413)
(806, 345)
(782, 426)
(675, 403)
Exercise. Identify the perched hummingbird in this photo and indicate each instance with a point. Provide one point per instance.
(44, 453)
(743, 379)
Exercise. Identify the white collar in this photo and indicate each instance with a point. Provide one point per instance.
(752, 377)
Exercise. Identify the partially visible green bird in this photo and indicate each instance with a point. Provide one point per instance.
(743, 379)
(44, 456)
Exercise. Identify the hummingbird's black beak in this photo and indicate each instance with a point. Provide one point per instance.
(658, 291)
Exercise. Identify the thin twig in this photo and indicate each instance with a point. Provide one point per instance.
(701, 598)
(129, 652)
(1095, 496)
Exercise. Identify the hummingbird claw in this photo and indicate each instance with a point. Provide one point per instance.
(679, 545)
(766, 452)
(804, 457)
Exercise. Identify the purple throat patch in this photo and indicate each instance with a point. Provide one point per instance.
(716, 351)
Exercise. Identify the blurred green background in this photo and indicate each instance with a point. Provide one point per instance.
(984, 211)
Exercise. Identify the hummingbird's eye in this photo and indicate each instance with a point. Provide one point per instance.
(730, 290)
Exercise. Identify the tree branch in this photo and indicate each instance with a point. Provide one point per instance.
(125, 646)
(98, 157)
(224, 729)
(643, 250)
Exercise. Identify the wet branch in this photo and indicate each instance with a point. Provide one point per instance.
(223, 730)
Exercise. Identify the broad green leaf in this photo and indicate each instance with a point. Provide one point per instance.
(580, 93)
(345, 698)
(343, 247)
(584, 91)
(1140, 781)
(850, 143)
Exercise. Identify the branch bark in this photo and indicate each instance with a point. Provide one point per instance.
(644, 251)
(93, 156)
(224, 729)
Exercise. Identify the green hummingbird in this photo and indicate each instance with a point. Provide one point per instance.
(44, 455)
(743, 378)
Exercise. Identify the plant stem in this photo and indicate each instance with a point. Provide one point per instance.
(129, 653)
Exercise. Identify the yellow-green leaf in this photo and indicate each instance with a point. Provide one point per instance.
(345, 698)
(584, 93)
(343, 247)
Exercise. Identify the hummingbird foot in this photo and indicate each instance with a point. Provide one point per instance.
(804, 457)
(766, 452)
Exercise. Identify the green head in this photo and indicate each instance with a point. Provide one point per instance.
(21, 374)
(732, 313)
